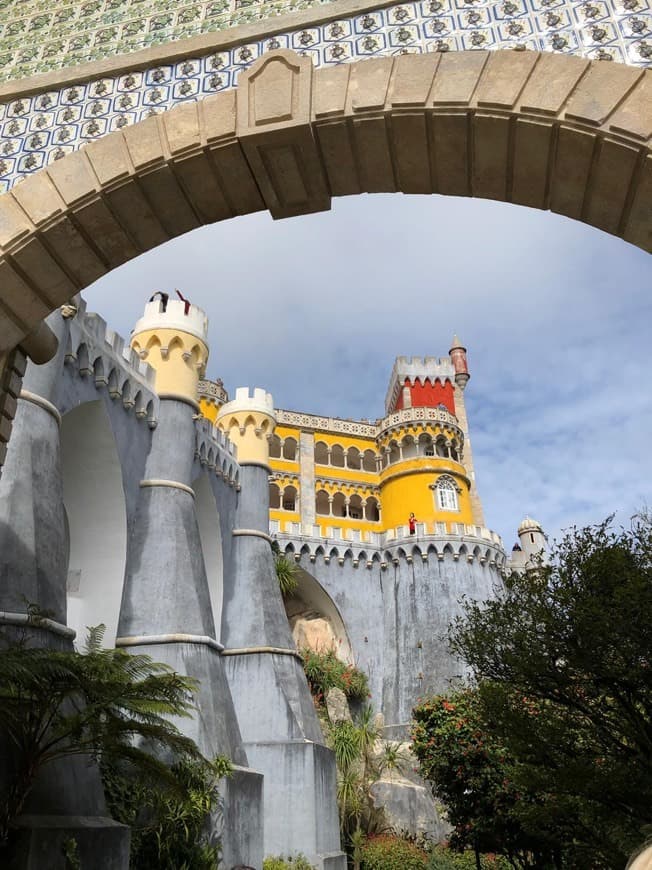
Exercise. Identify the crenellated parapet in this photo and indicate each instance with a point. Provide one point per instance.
(215, 452)
(98, 355)
(484, 549)
(249, 421)
(172, 337)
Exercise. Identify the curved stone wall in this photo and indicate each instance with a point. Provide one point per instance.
(397, 613)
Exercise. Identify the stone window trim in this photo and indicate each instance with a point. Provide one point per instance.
(446, 492)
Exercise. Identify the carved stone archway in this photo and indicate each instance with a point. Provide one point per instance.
(549, 131)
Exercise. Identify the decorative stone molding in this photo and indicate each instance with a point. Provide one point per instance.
(487, 549)
(312, 422)
(42, 403)
(170, 484)
(151, 639)
(28, 620)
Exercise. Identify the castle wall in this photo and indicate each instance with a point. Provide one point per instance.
(397, 613)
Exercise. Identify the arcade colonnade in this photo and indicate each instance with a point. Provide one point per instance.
(544, 130)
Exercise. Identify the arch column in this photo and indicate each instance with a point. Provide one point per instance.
(33, 571)
(263, 666)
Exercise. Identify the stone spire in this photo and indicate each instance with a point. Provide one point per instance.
(458, 358)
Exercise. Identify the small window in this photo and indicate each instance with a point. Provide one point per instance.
(430, 450)
(446, 495)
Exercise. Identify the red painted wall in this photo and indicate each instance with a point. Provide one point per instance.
(428, 395)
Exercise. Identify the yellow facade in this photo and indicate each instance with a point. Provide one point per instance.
(356, 478)
(178, 358)
(407, 487)
(248, 430)
(400, 488)
(209, 409)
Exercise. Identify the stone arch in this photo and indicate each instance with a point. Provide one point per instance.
(290, 498)
(315, 617)
(274, 497)
(372, 509)
(545, 130)
(97, 526)
(322, 503)
(338, 507)
(355, 509)
(274, 447)
(290, 448)
(353, 458)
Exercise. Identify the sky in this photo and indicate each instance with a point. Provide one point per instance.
(556, 317)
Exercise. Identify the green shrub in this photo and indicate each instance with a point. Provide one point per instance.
(168, 821)
(392, 853)
(296, 862)
(325, 671)
(442, 858)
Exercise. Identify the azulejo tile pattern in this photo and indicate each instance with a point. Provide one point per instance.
(38, 129)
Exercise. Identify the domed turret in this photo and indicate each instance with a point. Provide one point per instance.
(531, 537)
(171, 336)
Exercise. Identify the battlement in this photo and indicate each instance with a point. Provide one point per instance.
(259, 401)
(175, 315)
(421, 362)
(413, 370)
(436, 541)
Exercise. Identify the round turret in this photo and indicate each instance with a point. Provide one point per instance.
(422, 469)
(531, 537)
(249, 422)
(171, 336)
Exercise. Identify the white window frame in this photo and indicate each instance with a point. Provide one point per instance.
(447, 494)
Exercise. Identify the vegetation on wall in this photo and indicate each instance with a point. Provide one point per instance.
(562, 662)
(287, 573)
(325, 671)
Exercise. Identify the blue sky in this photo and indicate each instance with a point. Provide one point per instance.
(556, 317)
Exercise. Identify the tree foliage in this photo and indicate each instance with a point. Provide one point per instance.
(472, 772)
(388, 852)
(562, 660)
(105, 703)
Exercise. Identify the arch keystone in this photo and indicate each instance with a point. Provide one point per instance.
(277, 89)
(274, 127)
